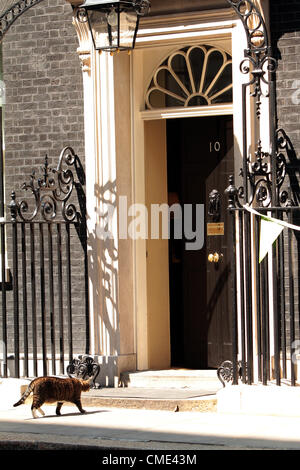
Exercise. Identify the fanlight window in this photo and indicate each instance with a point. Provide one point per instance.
(192, 76)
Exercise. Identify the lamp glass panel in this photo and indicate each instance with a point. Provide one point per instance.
(128, 21)
(99, 28)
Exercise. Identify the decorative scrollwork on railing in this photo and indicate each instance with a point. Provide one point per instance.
(259, 66)
(65, 183)
(282, 146)
(84, 367)
(263, 165)
(257, 35)
(225, 371)
(258, 61)
(14, 10)
(142, 7)
(51, 191)
(259, 176)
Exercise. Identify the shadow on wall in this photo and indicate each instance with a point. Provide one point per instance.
(284, 19)
(293, 173)
(103, 279)
(285, 32)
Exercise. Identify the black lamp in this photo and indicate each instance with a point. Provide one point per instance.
(113, 24)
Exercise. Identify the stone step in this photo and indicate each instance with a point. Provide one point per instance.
(170, 390)
(151, 399)
(171, 378)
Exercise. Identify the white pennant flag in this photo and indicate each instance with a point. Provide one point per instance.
(270, 229)
(269, 232)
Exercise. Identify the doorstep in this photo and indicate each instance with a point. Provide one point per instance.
(178, 378)
(174, 389)
(152, 399)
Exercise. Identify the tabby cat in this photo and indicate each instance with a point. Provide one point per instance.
(55, 389)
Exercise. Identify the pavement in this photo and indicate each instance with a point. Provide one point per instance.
(108, 432)
(128, 429)
(113, 431)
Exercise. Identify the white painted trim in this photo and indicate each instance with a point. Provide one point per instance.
(190, 38)
(181, 112)
(133, 192)
(186, 26)
(187, 19)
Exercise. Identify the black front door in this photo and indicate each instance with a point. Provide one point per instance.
(200, 159)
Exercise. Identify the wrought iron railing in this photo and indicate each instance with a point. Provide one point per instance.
(12, 10)
(264, 323)
(45, 296)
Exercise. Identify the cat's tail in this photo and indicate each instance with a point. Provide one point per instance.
(25, 394)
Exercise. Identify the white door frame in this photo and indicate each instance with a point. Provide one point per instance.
(222, 33)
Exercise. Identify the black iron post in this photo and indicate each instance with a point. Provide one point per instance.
(231, 192)
(291, 299)
(14, 211)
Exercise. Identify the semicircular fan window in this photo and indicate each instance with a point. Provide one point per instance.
(192, 76)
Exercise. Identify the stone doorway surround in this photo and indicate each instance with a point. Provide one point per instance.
(122, 330)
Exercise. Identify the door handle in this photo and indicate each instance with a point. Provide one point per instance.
(215, 257)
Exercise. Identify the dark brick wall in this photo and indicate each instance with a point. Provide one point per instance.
(44, 95)
(43, 113)
(285, 28)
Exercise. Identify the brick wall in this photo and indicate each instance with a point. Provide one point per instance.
(44, 95)
(43, 113)
(285, 27)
